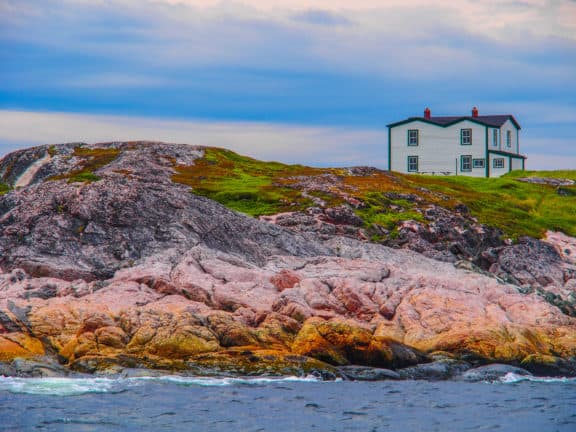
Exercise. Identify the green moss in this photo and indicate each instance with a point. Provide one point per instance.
(92, 160)
(4, 188)
(386, 212)
(83, 177)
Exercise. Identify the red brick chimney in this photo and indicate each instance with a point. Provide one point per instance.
(427, 113)
(474, 112)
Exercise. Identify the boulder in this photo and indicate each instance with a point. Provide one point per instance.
(492, 372)
(365, 373)
(438, 370)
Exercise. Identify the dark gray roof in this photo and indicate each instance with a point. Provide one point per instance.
(488, 120)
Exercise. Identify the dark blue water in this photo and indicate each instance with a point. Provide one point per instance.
(192, 404)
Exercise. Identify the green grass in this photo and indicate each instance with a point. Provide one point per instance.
(516, 207)
(387, 212)
(242, 183)
(566, 174)
(262, 188)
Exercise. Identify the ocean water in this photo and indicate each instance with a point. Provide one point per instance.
(174, 403)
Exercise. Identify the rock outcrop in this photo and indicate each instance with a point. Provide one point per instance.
(55, 227)
(107, 263)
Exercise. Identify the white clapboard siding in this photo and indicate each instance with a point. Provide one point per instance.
(494, 144)
(438, 149)
(509, 126)
(497, 172)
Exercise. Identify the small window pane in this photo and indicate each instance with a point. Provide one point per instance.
(413, 137)
(465, 136)
(412, 163)
(498, 163)
(466, 163)
(495, 137)
(508, 138)
(478, 163)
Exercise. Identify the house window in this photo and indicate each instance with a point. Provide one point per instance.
(495, 137)
(412, 163)
(412, 137)
(498, 163)
(508, 138)
(466, 136)
(478, 163)
(466, 163)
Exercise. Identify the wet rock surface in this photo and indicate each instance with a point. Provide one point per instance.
(492, 372)
(131, 271)
(438, 370)
(363, 373)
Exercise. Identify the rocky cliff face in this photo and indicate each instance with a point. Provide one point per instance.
(107, 262)
(56, 226)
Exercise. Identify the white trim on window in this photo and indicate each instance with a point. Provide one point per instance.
(465, 136)
(466, 163)
(412, 163)
(478, 163)
(413, 137)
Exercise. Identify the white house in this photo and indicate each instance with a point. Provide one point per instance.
(478, 146)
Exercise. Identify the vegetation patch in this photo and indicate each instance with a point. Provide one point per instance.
(558, 174)
(4, 188)
(516, 207)
(262, 188)
(52, 151)
(242, 183)
(388, 213)
(92, 160)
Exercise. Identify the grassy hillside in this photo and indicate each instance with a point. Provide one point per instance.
(261, 188)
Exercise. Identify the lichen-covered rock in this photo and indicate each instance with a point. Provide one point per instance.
(73, 229)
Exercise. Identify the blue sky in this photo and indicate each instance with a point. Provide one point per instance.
(300, 81)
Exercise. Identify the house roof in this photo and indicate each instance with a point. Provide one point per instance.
(486, 120)
(505, 153)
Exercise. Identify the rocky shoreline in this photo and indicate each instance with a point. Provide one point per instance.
(443, 369)
(108, 266)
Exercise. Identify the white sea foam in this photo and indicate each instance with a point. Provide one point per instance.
(79, 386)
(223, 381)
(511, 378)
(59, 386)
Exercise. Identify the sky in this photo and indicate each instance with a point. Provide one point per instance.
(312, 82)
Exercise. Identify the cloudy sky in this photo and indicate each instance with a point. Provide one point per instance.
(313, 82)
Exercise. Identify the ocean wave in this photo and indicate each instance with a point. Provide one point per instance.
(511, 378)
(79, 386)
(224, 381)
(59, 386)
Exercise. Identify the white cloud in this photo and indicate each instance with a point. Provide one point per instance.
(408, 38)
(495, 18)
(318, 146)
